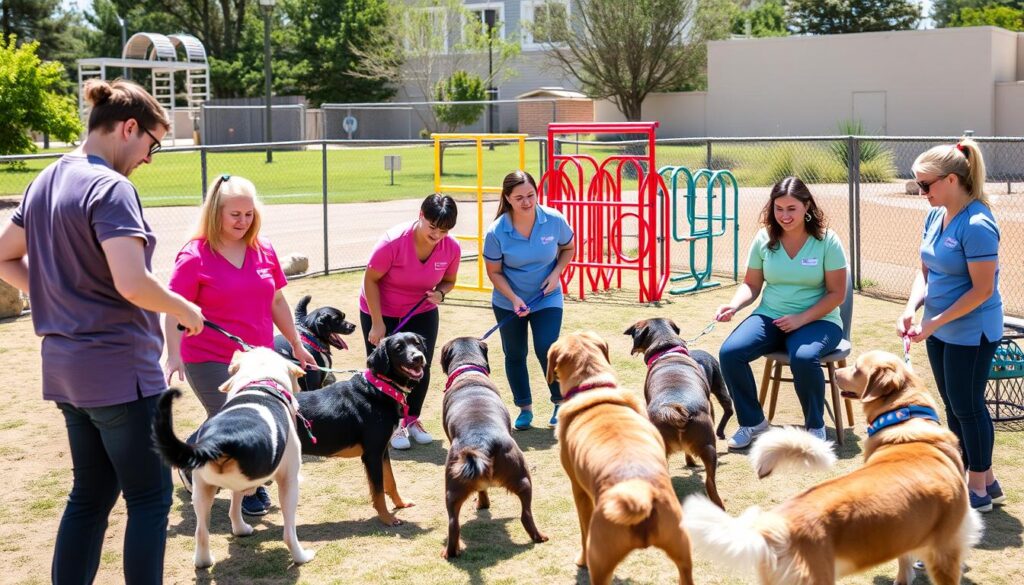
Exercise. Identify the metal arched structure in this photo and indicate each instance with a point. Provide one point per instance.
(160, 54)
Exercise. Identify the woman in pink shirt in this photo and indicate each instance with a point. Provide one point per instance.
(412, 261)
(233, 275)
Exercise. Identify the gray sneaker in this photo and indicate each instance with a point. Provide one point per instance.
(745, 435)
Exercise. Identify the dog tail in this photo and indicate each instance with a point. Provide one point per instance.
(301, 307)
(174, 451)
(790, 448)
(748, 543)
(470, 463)
(971, 529)
(627, 503)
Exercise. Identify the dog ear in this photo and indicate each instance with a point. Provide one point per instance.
(378, 360)
(640, 333)
(604, 349)
(883, 381)
(553, 353)
(446, 356)
(483, 349)
(673, 325)
(300, 309)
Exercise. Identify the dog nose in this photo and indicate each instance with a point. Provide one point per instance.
(419, 359)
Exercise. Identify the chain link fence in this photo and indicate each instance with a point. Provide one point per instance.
(331, 200)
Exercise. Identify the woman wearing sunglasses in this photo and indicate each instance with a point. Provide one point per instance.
(958, 284)
(234, 276)
(81, 247)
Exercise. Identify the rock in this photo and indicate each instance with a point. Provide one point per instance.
(11, 304)
(294, 264)
(913, 188)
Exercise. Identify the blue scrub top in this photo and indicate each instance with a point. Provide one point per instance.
(971, 236)
(526, 262)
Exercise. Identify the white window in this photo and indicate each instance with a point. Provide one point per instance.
(543, 22)
(486, 14)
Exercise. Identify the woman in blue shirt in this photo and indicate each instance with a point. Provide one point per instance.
(526, 248)
(958, 284)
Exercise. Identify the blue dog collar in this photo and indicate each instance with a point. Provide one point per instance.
(902, 415)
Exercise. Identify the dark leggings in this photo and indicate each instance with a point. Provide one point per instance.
(546, 325)
(112, 453)
(961, 374)
(425, 324)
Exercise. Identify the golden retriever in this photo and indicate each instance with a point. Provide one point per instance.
(615, 460)
(908, 500)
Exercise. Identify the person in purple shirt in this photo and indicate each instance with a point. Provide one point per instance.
(958, 284)
(79, 245)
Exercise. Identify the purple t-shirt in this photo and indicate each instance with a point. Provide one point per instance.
(98, 349)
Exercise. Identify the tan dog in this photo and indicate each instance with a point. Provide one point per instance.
(908, 500)
(615, 460)
(250, 441)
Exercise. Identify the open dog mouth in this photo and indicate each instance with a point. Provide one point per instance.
(414, 373)
(337, 341)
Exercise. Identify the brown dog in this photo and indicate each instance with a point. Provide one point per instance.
(679, 396)
(909, 499)
(615, 460)
(482, 452)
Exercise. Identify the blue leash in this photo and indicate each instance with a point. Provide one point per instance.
(529, 305)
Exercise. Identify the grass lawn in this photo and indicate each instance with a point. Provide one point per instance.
(335, 516)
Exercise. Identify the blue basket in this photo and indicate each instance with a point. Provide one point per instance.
(1008, 361)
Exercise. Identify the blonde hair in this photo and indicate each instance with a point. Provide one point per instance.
(210, 223)
(962, 159)
(119, 101)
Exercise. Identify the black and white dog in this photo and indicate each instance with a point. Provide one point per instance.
(251, 440)
(319, 330)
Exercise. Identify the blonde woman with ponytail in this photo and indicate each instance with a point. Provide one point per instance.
(958, 284)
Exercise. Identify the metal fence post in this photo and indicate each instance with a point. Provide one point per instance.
(202, 164)
(542, 148)
(855, 162)
(323, 183)
(707, 156)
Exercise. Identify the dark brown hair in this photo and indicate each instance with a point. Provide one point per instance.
(512, 180)
(120, 100)
(814, 219)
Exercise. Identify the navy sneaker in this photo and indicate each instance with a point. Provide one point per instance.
(261, 493)
(995, 492)
(554, 416)
(981, 503)
(524, 420)
(253, 505)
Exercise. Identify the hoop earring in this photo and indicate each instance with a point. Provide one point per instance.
(808, 217)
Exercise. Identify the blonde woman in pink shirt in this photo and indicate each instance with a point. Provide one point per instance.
(233, 275)
(413, 262)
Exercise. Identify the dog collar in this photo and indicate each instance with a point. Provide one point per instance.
(387, 387)
(308, 338)
(677, 349)
(462, 370)
(901, 415)
(281, 393)
(584, 387)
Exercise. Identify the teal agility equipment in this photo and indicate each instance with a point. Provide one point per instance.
(703, 223)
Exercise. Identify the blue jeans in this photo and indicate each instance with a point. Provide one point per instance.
(961, 374)
(757, 336)
(112, 453)
(546, 325)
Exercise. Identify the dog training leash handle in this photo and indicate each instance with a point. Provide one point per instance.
(529, 305)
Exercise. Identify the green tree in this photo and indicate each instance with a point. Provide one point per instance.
(1001, 16)
(460, 87)
(624, 51)
(945, 11)
(30, 99)
(827, 17)
(766, 19)
(324, 33)
(60, 32)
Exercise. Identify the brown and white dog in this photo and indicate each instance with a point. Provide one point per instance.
(678, 394)
(615, 460)
(908, 500)
(482, 453)
(250, 441)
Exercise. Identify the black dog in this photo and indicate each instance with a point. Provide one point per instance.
(356, 418)
(482, 452)
(678, 390)
(319, 330)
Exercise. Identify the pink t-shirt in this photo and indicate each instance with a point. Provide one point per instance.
(238, 299)
(406, 279)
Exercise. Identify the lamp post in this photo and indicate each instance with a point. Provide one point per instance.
(490, 16)
(268, 8)
(124, 41)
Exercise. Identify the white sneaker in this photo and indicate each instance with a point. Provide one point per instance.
(400, 440)
(818, 433)
(418, 433)
(745, 435)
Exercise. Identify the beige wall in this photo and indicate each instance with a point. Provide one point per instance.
(1010, 109)
(679, 114)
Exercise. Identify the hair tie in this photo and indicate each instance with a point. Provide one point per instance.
(966, 152)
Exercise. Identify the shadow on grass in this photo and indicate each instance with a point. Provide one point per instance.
(434, 452)
(920, 578)
(488, 543)
(1002, 531)
(249, 559)
(370, 526)
(583, 577)
(537, 438)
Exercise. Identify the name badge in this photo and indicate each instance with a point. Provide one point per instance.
(545, 240)
(950, 242)
(440, 265)
(809, 262)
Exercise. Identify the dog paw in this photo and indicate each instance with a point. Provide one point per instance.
(304, 556)
(406, 504)
(390, 521)
(540, 537)
(203, 560)
(242, 530)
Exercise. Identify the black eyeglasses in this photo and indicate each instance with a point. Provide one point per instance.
(926, 187)
(155, 148)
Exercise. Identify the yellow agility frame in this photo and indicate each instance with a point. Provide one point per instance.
(479, 189)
